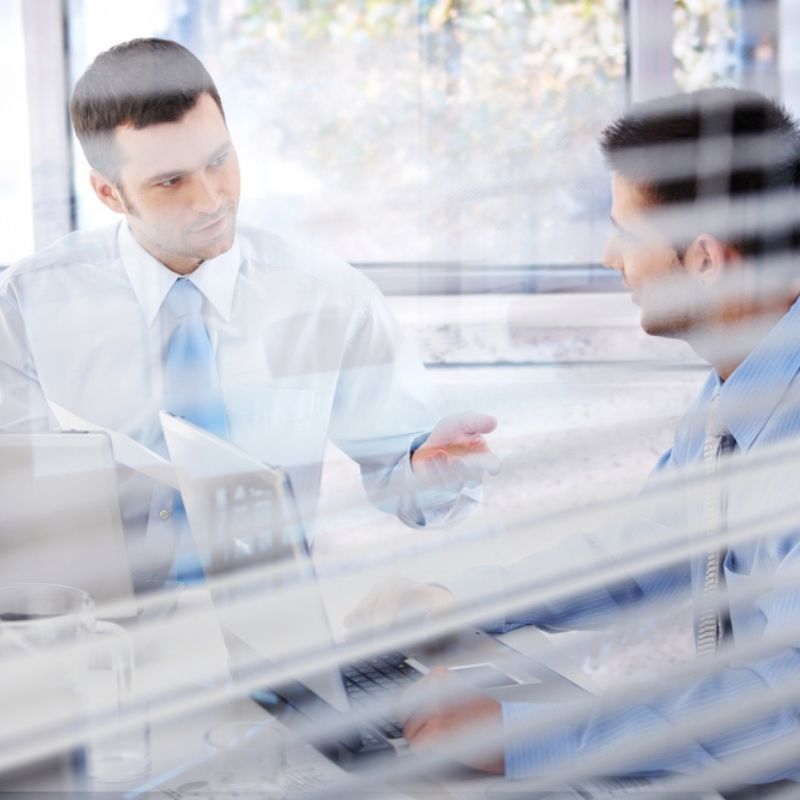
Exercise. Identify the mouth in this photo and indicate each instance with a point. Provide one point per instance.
(215, 225)
(632, 292)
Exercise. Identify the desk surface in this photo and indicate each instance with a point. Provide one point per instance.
(182, 659)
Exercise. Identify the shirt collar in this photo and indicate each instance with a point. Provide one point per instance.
(750, 395)
(151, 280)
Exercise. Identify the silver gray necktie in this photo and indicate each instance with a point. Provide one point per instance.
(713, 621)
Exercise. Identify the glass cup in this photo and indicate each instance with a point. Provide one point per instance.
(50, 645)
(250, 759)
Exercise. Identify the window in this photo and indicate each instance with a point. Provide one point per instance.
(727, 42)
(402, 131)
(435, 133)
(16, 202)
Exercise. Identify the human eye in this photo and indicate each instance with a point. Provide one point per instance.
(170, 182)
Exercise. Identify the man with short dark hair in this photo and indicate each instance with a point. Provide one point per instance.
(714, 167)
(276, 348)
(138, 83)
(704, 191)
(134, 87)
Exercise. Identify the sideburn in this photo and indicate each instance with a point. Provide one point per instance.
(125, 200)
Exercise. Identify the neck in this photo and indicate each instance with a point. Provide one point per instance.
(180, 267)
(176, 263)
(725, 343)
(180, 264)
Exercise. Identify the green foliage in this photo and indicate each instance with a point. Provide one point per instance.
(703, 35)
(467, 115)
(524, 72)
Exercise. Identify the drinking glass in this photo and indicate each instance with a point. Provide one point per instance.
(50, 641)
(250, 759)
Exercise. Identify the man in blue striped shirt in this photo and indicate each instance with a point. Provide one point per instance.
(704, 205)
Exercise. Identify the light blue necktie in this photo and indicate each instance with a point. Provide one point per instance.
(193, 392)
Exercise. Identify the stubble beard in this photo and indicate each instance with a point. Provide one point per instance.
(182, 247)
(668, 309)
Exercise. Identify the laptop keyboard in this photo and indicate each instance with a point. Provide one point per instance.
(377, 679)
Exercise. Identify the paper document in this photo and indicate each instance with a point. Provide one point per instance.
(127, 451)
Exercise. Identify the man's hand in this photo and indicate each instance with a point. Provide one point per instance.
(443, 714)
(397, 600)
(456, 454)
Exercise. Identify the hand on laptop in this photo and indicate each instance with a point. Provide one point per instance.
(443, 714)
(397, 600)
(456, 454)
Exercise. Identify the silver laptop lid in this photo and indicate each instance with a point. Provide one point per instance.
(61, 521)
(250, 540)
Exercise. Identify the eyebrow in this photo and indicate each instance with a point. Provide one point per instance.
(176, 173)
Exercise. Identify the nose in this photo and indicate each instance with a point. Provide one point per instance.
(612, 259)
(207, 197)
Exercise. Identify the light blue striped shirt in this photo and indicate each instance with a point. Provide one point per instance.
(760, 405)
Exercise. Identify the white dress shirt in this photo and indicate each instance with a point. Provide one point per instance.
(305, 347)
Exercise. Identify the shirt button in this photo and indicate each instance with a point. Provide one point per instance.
(164, 514)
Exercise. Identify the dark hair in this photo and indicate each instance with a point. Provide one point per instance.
(138, 83)
(714, 144)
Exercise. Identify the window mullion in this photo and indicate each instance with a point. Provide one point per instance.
(46, 71)
(651, 62)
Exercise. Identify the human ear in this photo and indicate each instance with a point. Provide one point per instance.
(107, 191)
(705, 258)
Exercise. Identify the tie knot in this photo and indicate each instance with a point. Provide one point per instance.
(184, 299)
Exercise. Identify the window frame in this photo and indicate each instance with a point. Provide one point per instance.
(45, 30)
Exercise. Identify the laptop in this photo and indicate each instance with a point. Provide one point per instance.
(250, 540)
(61, 520)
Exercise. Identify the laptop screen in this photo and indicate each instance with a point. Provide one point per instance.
(251, 542)
(61, 516)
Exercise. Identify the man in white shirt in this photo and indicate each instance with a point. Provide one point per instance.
(303, 346)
